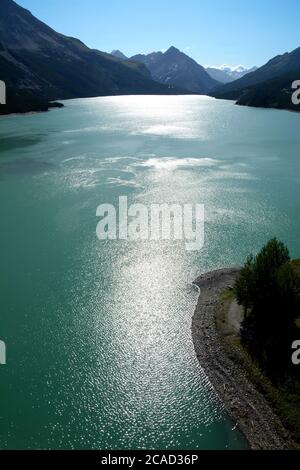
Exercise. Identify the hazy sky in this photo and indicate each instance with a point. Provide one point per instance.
(213, 32)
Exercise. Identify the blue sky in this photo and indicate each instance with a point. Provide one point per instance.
(213, 32)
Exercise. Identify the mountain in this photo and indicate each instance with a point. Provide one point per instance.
(176, 68)
(227, 74)
(119, 54)
(40, 65)
(219, 75)
(268, 86)
(237, 72)
(277, 67)
(275, 93)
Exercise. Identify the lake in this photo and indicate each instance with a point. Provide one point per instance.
(98, 333)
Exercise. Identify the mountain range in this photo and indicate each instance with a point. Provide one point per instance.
(268, 86)
(227, 74)
(40, 65)
(176, 68)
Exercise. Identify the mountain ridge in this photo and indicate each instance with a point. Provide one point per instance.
(176, 68)
(119, 54)
(270, 86)
(40, 65)
(226, 74)
(274, 68)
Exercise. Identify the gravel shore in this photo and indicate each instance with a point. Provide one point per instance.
(247, 407)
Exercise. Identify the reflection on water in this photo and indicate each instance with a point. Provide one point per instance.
(98, 333)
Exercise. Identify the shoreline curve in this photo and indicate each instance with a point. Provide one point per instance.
(247, 407)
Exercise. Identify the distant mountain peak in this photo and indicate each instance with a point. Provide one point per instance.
(174, 67)
(119, 54)
(173, 49)
(228, 73)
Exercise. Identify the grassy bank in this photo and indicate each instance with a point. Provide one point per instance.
(284, 400)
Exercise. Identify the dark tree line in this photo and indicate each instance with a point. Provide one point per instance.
(268, 287)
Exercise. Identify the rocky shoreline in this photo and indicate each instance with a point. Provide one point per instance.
(245, 404)
(28, 107)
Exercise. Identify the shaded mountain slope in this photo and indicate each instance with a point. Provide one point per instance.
(176, 68)
(39, 65)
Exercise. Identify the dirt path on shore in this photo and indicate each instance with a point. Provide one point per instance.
(235, 316)
(248, 408)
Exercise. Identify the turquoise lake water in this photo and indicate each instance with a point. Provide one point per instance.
(98, 333)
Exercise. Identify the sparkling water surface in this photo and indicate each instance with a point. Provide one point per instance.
(98, 334)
